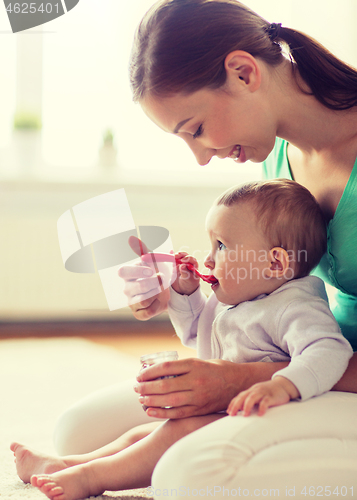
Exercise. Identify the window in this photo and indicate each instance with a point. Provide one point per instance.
(85, 88)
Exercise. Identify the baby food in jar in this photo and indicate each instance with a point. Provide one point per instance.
(155, 358)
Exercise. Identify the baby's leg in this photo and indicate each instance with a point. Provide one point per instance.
(130, 468)
(29, 462)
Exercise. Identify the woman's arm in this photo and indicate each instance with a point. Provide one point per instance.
(348, 382)
(201, 387)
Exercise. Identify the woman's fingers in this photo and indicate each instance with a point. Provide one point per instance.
(166, 369)
(200, 387)
(135, 272)
(168, 397)
(145, 288)
(141, 284)
(173, 413)
(172, 400)
(138, 246)
(151, 307)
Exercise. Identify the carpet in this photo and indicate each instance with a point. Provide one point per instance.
(39, 378)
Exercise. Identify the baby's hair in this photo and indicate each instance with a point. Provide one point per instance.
(180, 47)
(289, 216)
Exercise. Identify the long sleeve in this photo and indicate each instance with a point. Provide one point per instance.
(319, 353)
(184, 312)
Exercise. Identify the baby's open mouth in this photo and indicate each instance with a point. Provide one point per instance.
(211, 279)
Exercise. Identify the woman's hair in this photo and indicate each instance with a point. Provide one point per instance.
(289, 217)
(181, 46)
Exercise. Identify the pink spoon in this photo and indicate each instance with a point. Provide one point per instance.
(167, 257)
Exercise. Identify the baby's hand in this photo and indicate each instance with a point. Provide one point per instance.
(276, 392)
(187, 281)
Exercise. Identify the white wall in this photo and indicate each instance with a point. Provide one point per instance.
(85, 86)
(34, 282)
(85, 89)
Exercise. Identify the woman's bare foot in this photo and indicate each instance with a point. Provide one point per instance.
(29, 462)
(73, 483)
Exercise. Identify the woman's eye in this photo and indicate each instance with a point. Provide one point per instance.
(221, 246)
(198, 132)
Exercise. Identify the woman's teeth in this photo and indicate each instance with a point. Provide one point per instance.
(235, 153)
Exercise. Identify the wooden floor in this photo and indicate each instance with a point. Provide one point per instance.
(132, 337)
(140, 344)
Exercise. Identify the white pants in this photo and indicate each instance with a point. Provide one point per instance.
(99, 419)
(294, 450)
(302, 449)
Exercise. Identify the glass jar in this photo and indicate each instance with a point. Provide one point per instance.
(155, 358)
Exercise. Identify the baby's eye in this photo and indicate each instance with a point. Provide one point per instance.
(198, 132)
(221, 246)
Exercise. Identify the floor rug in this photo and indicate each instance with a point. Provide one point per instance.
(39, 378)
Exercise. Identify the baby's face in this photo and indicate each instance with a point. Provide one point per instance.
(239, 257)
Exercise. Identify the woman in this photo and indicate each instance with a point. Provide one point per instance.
(214, 73)
(223, 78)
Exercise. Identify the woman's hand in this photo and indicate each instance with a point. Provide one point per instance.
(199, 388)
(143, 287)
(186, 281)
(147, 290)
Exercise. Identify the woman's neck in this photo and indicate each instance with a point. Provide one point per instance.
(322, 142)
(306, 123)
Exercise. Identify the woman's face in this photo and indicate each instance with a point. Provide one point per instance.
(232, 123)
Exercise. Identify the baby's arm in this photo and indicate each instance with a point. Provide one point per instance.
(319, 354)
(187, 301)
(186, 281)
(276, 392)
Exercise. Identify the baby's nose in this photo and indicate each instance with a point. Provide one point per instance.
(209, 262)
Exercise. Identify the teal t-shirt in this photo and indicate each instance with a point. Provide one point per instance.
(338, 266)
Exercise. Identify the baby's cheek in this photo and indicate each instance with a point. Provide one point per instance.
(226, 271)
(220, 269)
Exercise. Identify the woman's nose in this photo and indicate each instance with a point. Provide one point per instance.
(203, 155)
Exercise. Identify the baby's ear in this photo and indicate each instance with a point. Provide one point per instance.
(279, 262)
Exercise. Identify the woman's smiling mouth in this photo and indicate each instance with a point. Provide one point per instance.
(235, 153)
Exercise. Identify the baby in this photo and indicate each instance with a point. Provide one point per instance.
(266, 237)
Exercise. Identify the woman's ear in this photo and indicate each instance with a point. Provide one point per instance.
(243, 68)
(279, 263)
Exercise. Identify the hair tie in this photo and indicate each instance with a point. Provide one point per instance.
(273, 31)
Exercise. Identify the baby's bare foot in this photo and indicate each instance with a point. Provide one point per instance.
(29, 462)
(74, 483)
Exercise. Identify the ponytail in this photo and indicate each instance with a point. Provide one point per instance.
(331, 81)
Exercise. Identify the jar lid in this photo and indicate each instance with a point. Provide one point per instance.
(159, 356)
